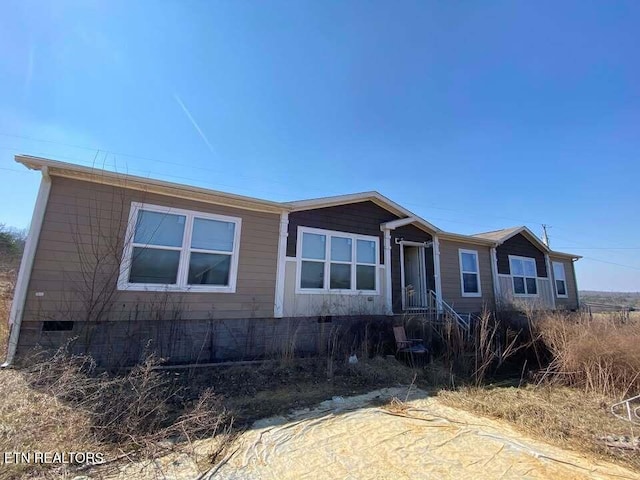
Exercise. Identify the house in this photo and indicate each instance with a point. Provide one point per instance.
(118, 263)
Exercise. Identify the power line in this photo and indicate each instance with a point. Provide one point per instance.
(612, 263)
(151, 174)
(149, 159)
(324, 190)
(603, 248)
(612, 251)
(452, 221)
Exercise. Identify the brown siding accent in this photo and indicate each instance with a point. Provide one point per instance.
(85, 221)
(450, 277)
(571, 302)
(519, 245)
(363, 218)
(409, 233)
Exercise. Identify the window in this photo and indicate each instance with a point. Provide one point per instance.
(523, 272)
(560, 279)
(336, 261)
(469, 273)
(181, 250)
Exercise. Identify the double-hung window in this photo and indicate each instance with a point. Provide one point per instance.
(560, 279)
(179, 250)
(336, 261)
(469, 273)
(524, 274)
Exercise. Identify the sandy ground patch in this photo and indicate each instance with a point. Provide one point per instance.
(347, 439)
(353, 439)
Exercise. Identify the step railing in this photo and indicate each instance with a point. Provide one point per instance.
(414, 300)
(448, 310)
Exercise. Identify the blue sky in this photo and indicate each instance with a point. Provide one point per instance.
(474, 115)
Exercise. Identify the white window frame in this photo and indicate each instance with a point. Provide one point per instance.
(327, 262)
(462, 272)
(513, 283)
(185, 252)
(563, 279)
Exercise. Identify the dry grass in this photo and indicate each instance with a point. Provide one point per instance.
(564, 416)
(61, 404)
(31, 420)
(7, 282)
(593, 363)
(275, 388)
(598, 354)
(34, 421)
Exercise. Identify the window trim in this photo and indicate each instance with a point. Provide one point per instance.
(185, 252)
(555, 280)
(462, 272)
(513, 284)
(327, 262)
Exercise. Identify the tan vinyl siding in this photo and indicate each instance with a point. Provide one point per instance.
(571, 302)
(84, 221)
(450, 277)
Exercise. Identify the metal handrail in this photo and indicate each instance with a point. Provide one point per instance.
(632, 413)
(465, 324)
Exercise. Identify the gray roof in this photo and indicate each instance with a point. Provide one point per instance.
(498, 235)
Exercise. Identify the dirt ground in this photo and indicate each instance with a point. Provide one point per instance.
(369, 437)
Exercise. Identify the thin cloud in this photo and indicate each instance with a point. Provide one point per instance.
(193, 122)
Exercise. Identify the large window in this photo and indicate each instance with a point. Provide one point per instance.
(469, 273)
(336, 261)
(172, 249)
(560, 279)
(523, 272)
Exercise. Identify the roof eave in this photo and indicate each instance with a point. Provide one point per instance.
(161, 187)
(373, 196)
(572, 256)
(458, 237)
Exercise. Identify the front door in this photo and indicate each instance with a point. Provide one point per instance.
(414, 277)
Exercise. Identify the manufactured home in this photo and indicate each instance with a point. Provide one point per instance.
(115, 264)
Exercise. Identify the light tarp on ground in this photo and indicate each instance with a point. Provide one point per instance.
(354, 439)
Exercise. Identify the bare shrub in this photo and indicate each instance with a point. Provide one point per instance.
(478, 353)
(494, 343)
(599, 354)
(135, 410)
(380, 371)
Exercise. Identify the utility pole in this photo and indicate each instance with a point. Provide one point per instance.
(545, 235)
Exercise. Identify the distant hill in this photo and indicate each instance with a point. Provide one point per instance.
(621, 299)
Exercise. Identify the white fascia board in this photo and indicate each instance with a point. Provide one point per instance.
(374, 196)
(552, 279)
(401, 222)
(568, 256)
(534, 237)
(278, 306)
(494, 276)
(437, 273)
(531, 236)
(161, 187)
(331, 201)
(26, 265)
(388, 294)
(458, 237)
